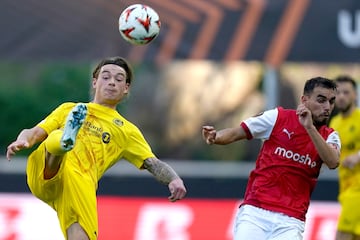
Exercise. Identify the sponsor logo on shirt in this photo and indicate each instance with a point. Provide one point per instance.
(93, 129)
(297, 157)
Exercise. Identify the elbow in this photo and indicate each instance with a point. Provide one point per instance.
(332, 167)
(334, 160)
(333, 164)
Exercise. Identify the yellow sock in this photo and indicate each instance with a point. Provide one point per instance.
(52, 143)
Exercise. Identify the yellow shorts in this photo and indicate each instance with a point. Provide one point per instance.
(70, 193)
(349, 219)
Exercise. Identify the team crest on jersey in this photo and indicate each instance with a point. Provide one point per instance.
(118, 122)
(105, 137)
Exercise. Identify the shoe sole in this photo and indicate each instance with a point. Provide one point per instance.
(73, 123)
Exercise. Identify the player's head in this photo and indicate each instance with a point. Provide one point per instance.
(121, 62)
(312, 83)
(319, 97)
(346, 94)
(111, 81)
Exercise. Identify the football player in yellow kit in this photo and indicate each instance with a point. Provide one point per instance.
(79, 142)
(346, 123)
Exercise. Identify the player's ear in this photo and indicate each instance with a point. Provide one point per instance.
(94, 80)
(127, 88)
(304, 98)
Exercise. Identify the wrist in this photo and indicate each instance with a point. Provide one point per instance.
(311, 128)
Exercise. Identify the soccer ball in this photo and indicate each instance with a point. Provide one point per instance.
(139, 24)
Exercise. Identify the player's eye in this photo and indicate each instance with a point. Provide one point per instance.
(120, 77)
(321, 100)
(105, 77)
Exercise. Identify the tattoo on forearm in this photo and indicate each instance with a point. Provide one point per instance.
(161, 170)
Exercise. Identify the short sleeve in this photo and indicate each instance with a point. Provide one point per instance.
(56, 118)
(261, 125)
(334, 139)
(137, 149)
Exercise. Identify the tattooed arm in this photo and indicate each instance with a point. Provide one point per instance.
(166, 175)
(161, 170)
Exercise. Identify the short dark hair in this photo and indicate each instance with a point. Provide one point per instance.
(346, 79)
(318, 82)
(117, 61)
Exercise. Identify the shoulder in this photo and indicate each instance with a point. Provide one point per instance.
(66, 105)
(62, 109)
(334, 121)
(127, 125)
(357, 112)
(326, 131)
(268, 115)
(284, 114)
(287, 112)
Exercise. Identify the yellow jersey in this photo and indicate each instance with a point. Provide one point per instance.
(104, 138)
(349, 132)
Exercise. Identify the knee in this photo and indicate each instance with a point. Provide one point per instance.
(76, 232)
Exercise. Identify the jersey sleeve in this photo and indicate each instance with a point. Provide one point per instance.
(261, 126)
(334, 140)
(55, 119)
(137, 149)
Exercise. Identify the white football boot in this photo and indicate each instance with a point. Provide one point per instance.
(73, 123)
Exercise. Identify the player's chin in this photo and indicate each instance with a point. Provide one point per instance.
(325, 118)
(320, 121)
(323, 122)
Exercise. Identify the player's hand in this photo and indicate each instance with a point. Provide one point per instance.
(305, 117)
(209, 134)
(177, 190)
(15, 147)
(351, 161)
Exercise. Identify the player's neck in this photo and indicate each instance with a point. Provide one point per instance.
(109, 105)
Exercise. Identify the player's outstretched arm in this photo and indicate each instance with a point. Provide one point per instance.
(26, 139)
(166, 175)
(224, 136)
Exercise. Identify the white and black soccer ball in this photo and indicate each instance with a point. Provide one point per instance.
(139, 24)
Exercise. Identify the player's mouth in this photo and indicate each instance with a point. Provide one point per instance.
(112, 91)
